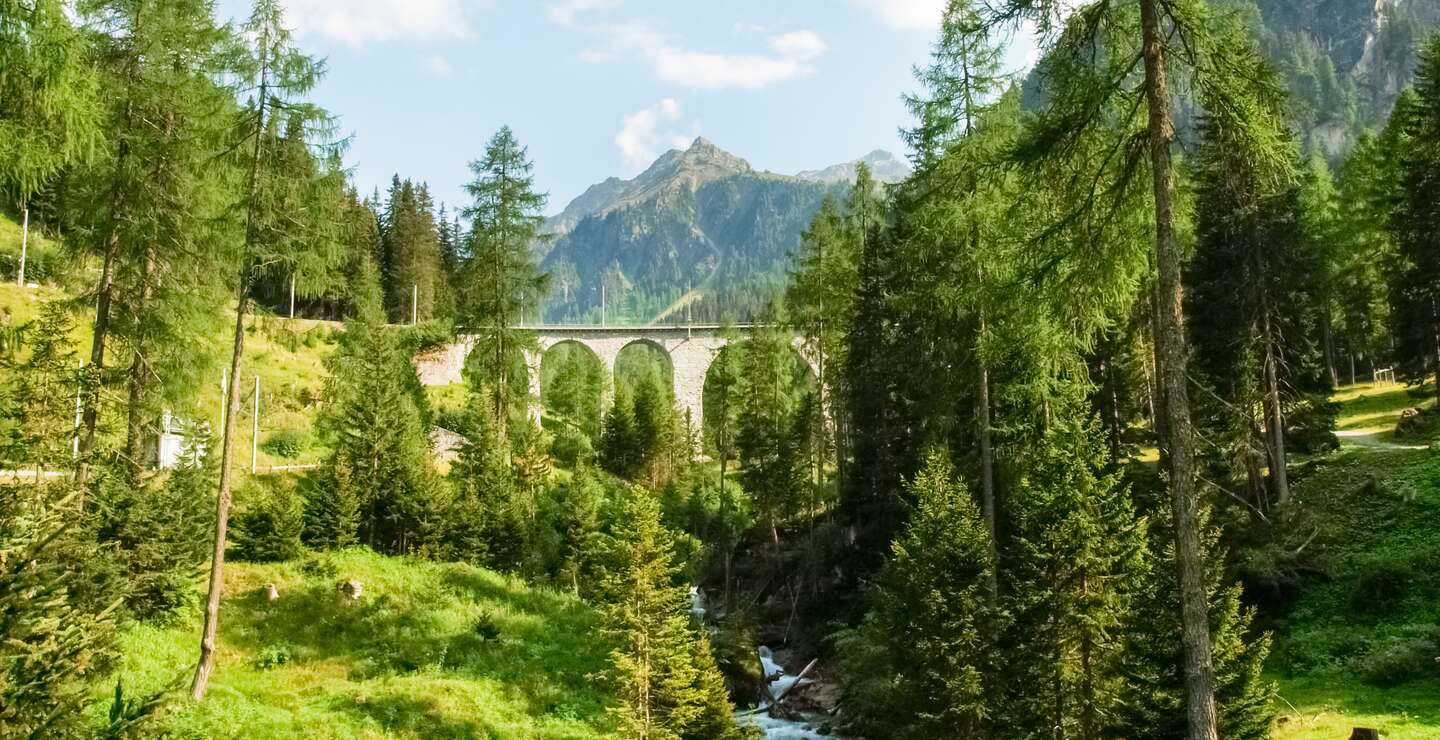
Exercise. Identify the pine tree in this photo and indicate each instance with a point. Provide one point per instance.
(500, 278)
(285, 206)
(56, 639)
(1416, 288)
(484, 525)
(39, 412)
(620, 451)
(1153, 663)
(924, 662)
(414, 272)
(381, 458)
(1075, 558)
(663, 669)
(773, 468)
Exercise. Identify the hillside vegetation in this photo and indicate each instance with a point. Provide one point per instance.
(429, 650)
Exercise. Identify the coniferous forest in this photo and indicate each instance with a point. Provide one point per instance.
(1115, 417)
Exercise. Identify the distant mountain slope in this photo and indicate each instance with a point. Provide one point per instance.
(884, 166)
(700, 218)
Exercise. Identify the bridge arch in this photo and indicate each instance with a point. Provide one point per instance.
(691, 350)
(574, 383)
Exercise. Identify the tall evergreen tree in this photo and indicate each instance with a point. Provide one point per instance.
(413, 257)
(49, 96)
(924, 661)
(285, 206)
(500, 277)
(39, 405)
(663, 668)
(153, 204)
(1416, 289)
(1110, 62)
(1074, 562)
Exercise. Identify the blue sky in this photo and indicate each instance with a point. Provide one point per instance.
(597, 88)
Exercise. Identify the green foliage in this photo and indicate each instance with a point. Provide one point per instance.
(58, 631)
(160, 535)
(620, 446)
(924, 662)
(500, 280)
(1073, 563)
(411, 254)
(572, 381)
(662, 666)
(484, 523)
(773, 433)
(269, 529)
(381, 465)
(49, 96)
(286, 443)
(39, 412)
(1415, 287)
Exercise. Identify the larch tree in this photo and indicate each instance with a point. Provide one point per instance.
(500, 277)
(1121, 58)
(50, 113)
(286, 203)
(153, 204)
(1416, 290)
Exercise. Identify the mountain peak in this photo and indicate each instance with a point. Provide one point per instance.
(884, 167)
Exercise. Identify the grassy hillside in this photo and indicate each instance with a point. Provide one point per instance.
(430, 650)
(1356, 587)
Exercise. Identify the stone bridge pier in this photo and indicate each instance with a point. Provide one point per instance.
(691, 350)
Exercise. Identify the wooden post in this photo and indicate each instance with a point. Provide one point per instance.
(414, 303)
(292, 296)
(255, 429)
(24, 246)
(224, 391)
(79, 413)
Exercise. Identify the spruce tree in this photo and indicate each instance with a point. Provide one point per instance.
(620, 450)
(923, 663)
(1074, 559)
(381, 459)
(663, 668)
(484, 526)
(1416, 288)
(56, 639)
(39, 410)
(500, 277)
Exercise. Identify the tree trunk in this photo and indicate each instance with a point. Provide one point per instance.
(1329, 339)
(987, 467)
(91, 417)
(222, 503)
(1171, 361)
(1275, 417)
(139, 383)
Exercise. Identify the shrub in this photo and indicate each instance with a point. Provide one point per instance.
(1405, 657)
(284, 443)
(270, 530)
(274, 654)
(572, 448)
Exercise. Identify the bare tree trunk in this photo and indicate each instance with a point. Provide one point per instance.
(90, 419)
(139, 384)
(1275, 417)
(1171, 361)
(987, 467)
(222, 502)
(1329, 340)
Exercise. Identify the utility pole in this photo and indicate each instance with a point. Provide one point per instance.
(79, 414)
(24, 245)
(602, 303)
(255, 429)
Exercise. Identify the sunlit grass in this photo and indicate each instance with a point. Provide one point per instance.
(1329, 708)
(1373, 407)
(431, 650)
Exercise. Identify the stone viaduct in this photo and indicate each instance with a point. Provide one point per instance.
(691, 349)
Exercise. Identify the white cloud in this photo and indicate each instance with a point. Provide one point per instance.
(798, 45)
(707, 70)
(907, 15)
(360, 22)
(439, 66)
(711, 71)
(566, 12)
(645, 132)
